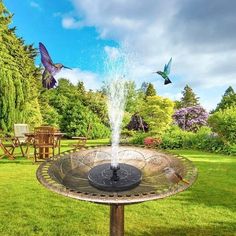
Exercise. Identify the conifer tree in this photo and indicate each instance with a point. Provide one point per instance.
(18, 77)
(150, 91)
(189, 98)
(228, 100)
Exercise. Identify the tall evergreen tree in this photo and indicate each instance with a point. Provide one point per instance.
(150, 91)
(189, 98)
(228, 100)
(18, 77)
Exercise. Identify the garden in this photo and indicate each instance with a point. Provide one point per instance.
(207, 208)
(181, 127)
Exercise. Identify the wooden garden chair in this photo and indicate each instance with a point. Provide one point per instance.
(8, 145)
(44, 143)
(57, 135)
(19, 131)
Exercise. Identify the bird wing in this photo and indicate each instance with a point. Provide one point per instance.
(167, 67)
(46, 59)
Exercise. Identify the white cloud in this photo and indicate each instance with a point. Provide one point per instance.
(91, 80)
(69, 22)
(197, 35)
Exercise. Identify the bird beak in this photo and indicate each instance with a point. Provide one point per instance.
(67, 67)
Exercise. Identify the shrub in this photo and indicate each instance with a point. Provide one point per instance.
(173, 138)
(152, 142)
(203, 139)
(223, 122)
(191, 118)
(138, 138)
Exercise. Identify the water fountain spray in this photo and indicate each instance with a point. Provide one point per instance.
(115, 176)
(116, 104)
(116, 99)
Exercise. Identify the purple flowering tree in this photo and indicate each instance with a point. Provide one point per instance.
(191, 118)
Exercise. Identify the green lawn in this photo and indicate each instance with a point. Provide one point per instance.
(207, 208)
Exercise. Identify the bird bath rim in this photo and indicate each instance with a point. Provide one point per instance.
(47, 178)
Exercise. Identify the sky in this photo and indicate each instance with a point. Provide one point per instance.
(199, 35)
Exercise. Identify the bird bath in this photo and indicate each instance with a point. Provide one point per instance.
(69, 174)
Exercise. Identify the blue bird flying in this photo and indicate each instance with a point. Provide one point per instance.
(164, 74)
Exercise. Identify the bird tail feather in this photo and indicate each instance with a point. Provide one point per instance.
(49, 83)
(167, 81)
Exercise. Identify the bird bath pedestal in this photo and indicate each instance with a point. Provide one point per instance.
(78, 174)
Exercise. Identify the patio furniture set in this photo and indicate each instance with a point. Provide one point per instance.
(44, 139)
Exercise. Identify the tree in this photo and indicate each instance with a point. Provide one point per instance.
(18, 77)
(157, 112)
(134, 97)
(191, 118)
(229, 91)
(77, 119)
(48, 108)
(178, 104)
(81, 88)
(228, 100)
(223, 122)
(150, 90)
(189, 98)
(96, 102)
(74, 109)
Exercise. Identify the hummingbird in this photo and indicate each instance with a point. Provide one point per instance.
(173, 176)
(164, 74)
(51, 69)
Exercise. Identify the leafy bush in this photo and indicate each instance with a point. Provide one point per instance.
(173, 138)
(203, 139)
(127, 133)
(139, 137)
(191, 118)
(223, 122)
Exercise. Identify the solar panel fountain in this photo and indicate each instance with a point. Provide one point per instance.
(116, 175)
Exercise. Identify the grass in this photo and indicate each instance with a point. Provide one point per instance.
(207, 208)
